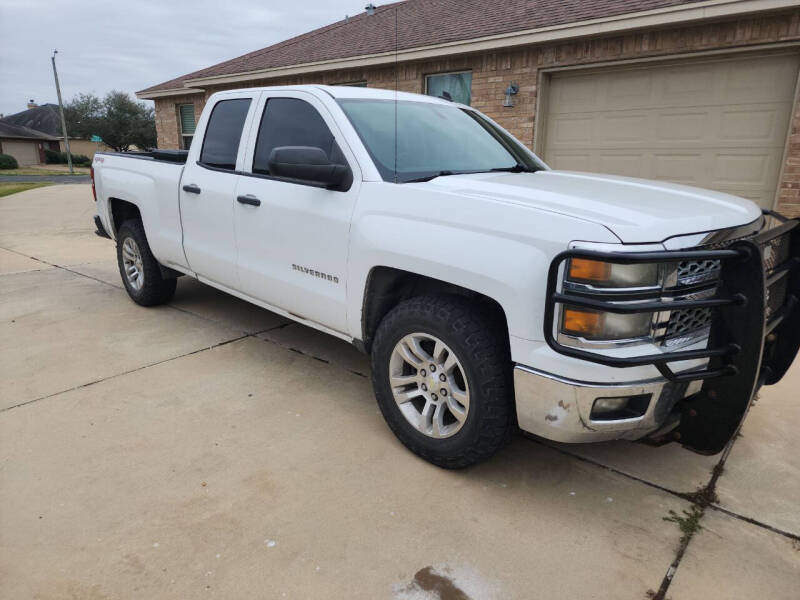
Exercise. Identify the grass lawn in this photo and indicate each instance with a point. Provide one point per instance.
(6, 189)
(12, 172)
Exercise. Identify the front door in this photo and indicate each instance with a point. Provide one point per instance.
(208, 191)
(293, 236)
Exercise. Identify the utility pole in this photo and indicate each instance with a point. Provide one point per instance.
(61, 108)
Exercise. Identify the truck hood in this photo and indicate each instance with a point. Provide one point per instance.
(635, 210)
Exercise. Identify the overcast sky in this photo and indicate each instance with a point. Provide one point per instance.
(132, 45)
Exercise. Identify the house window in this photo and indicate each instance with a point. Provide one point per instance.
(186, 118)
(457, 85)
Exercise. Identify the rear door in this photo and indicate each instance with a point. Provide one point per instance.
(293, 236)
(208, 188)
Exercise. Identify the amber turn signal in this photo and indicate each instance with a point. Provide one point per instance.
(584, 269)
(582, 322)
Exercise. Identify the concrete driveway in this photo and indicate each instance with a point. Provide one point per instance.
(211, 449)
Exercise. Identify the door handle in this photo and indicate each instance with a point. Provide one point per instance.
(191, 188)
(249, 199)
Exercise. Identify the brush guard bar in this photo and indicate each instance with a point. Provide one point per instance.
(745, 348)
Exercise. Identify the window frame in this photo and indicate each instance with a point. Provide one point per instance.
(183, 135)
(243, 140)
(324, 113)
(429, 75)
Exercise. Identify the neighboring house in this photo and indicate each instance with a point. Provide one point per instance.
(26, 145)
(702, 92)
(46, 119)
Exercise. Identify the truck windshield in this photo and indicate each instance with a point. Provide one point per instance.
(433, 140)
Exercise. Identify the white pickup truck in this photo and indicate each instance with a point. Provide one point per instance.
(489, 290)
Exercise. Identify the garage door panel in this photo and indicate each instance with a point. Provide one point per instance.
(633, 89)
(761, 79)
(571, 162)
(26, 153)
(629, 165)
(751, 125)
(571, 131)
(678, 167)
(692, 85)
(686, 127)
(717, 123)
(628, 128)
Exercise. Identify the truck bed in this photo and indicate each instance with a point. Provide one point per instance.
(172, 156)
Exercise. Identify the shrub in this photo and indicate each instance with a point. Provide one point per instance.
(8, 162)
(53, 157)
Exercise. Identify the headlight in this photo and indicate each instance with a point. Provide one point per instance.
(598, 326)
(601, 274)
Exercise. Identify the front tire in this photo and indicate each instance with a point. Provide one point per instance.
(441, 372)
(140, 271)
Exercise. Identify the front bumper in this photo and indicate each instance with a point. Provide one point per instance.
(559, 409)
(754, 337)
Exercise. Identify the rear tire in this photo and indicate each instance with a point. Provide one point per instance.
(140, 271)
(461, 411)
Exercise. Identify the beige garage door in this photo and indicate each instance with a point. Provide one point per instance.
(26, 153)
(719, 124)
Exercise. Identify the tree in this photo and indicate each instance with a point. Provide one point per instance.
(119, 120)
(81, 113)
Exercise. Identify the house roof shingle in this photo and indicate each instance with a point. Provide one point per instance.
(420, 23)
(9, 130)
(44, 118)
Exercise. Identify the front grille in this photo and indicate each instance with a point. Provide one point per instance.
(776, 252)
(691, 272)
(685, 326)
(682, 322)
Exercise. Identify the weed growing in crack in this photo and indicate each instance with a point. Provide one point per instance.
(689, 522)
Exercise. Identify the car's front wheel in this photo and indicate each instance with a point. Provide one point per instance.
(140, 271)
(441, 374)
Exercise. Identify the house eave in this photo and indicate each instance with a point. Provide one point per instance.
(151, 95)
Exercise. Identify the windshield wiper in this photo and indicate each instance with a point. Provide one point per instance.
(517, 168)
(432, 176)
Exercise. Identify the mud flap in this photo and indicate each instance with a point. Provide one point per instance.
(710, 418)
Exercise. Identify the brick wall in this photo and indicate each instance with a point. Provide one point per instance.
(493, 71)
(167, 118)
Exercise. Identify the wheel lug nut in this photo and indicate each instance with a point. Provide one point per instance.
(424, 388)
(443, 392)
(423, 373)
(433, 368)
(442, 377)
(434, 397)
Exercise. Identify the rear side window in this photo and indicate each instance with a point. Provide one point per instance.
(292, 122)
(224, 131)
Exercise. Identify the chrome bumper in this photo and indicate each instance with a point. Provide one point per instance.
(560, 409)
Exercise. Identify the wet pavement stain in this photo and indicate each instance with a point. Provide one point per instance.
(429, 580)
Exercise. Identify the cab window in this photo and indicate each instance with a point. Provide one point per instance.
(223, 133)
(292, 122)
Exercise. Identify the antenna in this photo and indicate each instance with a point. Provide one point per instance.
(396, 83)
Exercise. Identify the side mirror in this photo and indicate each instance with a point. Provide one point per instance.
(306, 163)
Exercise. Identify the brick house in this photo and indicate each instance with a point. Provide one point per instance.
(702, 92)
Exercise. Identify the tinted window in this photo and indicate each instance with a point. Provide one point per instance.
(292, 122)
(223, 133)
